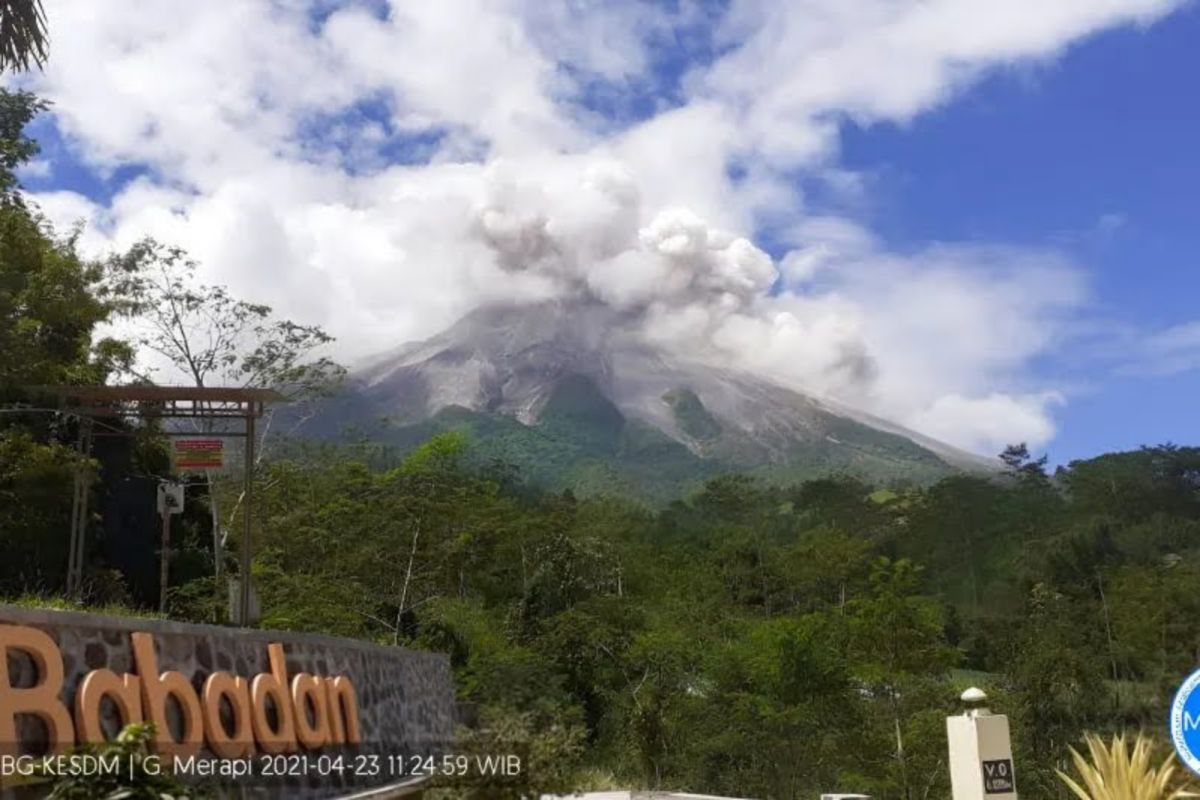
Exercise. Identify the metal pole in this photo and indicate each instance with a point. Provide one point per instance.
(218, 551)
(76, 485)
(164, 569)
(79, 513)
(247, 504)
(78, 482)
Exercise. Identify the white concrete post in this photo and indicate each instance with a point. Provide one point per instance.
(981, 765)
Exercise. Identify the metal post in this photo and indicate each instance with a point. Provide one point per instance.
(77, 482)
(164, 569)
(84, 496)
(79, 511)
(247, 504)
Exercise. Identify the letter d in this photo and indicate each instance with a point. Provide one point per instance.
(41, 700)
(273, 685)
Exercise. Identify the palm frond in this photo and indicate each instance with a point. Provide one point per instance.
(23, 35)
(1114, 772)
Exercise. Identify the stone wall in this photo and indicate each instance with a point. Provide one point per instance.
(405, 697)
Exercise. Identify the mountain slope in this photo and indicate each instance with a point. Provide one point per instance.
(563, 391)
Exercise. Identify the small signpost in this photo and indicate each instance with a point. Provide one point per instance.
(198, 454)
(998, 776)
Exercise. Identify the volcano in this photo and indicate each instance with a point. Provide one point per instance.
(571, 395)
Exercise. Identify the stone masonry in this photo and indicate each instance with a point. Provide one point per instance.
(405, 698)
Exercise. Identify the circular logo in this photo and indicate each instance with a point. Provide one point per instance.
(1185, 722)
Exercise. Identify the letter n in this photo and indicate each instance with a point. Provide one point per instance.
(343, 710)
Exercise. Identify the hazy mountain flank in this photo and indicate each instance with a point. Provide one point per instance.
(568, 394)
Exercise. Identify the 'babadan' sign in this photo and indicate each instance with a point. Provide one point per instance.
(272, 712)
(69, 678)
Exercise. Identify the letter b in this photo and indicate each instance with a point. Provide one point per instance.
(40, 700)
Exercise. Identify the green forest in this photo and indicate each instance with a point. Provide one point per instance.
(750, 639)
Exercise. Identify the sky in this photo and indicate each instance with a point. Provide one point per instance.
(976, 219)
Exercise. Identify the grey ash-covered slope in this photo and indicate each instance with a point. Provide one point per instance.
(567, 393)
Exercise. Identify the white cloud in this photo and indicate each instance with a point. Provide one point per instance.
(1168, 352)
(987, 424)
(268, 138)
(37, 168)
(469, 64)
(794, 64)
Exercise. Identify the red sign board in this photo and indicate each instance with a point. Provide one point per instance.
(198, 453)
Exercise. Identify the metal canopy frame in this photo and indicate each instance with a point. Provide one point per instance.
(162, 402)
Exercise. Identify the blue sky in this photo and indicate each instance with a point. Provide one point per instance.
(976, 219)
(1096, 154)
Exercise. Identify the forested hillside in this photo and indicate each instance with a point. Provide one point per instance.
(749, 639)
(761, 641)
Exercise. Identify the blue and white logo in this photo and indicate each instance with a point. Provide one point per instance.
(1185, 722)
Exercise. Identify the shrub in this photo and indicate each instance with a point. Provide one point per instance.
(1118, 773)
(131, 748)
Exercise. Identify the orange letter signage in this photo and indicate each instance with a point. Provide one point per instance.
(156, 689)
(239, 743)
(269, 713)
(273, 686)
(41, 699)
(124, 690)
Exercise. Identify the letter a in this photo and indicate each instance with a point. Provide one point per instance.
(155, 689)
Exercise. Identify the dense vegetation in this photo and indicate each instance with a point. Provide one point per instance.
(750, 639)
(757, 640)
(582, 442)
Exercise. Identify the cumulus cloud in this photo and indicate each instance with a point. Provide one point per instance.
(383, 173)
(984, 423)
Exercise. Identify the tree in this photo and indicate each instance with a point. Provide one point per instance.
(17, 110)
(1136, 485)
(210, 336)
(1023, 467)
(899, 643)
(435, 492)
(1056, 680)
(49, 313)
(48, 303)
(955, 528)
(776, 712)
(49, 309)
(23, 36)
(213, 338)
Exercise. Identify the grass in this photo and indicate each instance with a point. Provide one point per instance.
(58, 603)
